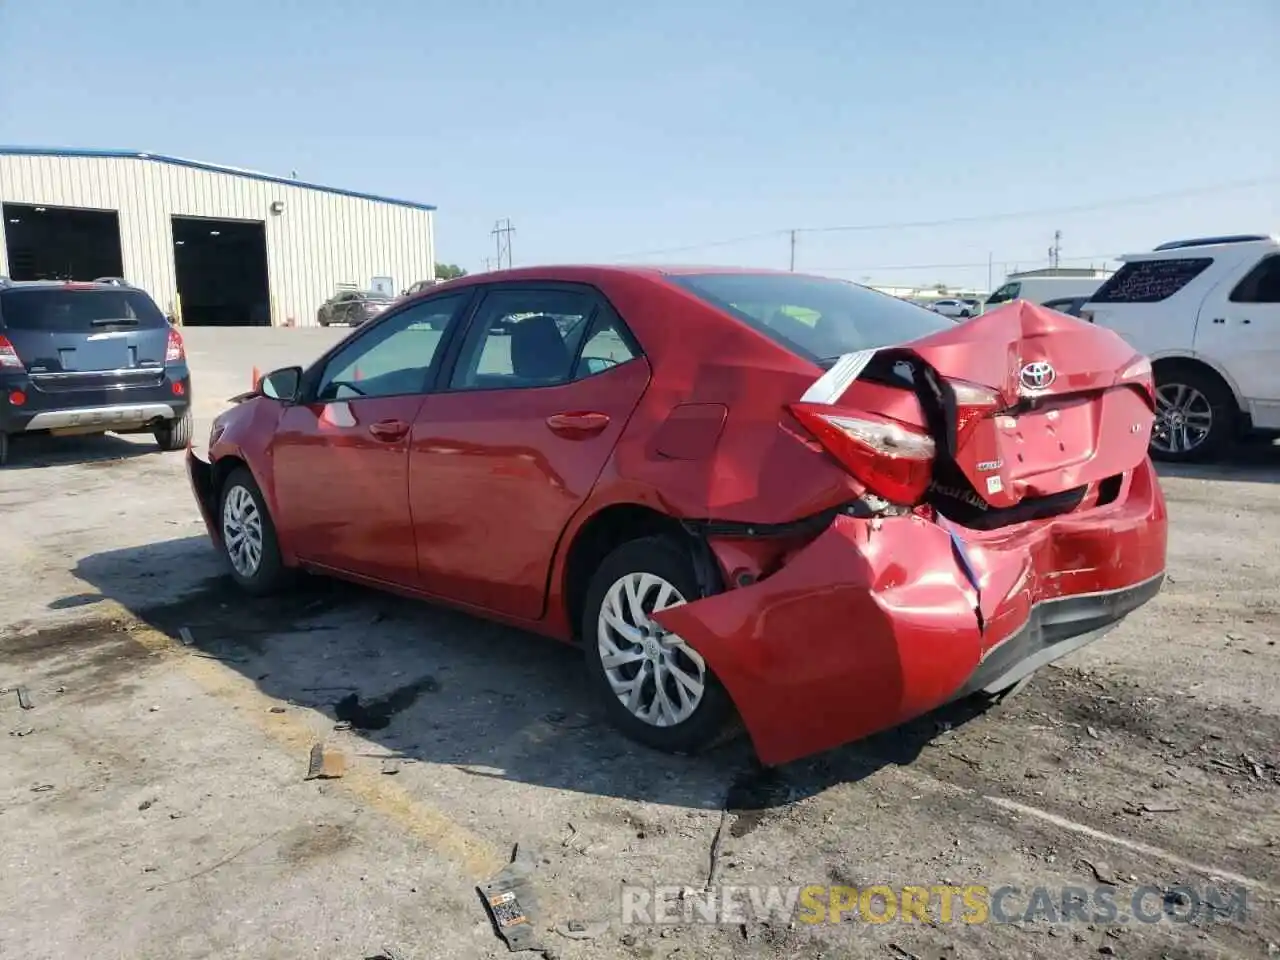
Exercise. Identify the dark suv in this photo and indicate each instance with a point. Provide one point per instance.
(87, 358)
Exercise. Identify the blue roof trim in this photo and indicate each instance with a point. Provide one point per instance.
(200, 165)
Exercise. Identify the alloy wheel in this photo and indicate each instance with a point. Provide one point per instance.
(1184, 419)
(653, 672)
(242, 531)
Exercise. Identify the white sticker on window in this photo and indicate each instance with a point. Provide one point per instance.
(994, 484)
(829, 387)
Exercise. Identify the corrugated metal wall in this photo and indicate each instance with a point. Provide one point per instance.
(319, 240)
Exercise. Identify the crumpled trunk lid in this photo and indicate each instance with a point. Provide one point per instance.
(1075, 401)
(1023, 402)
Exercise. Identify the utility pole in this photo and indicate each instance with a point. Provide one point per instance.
(990, 255)
(1055, 252)
(502, 231)
(793, 251)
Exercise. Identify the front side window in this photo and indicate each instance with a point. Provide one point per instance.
(1261, 285)
(1150, 281)
(523, 338)
(1006, 293)
(394, 358)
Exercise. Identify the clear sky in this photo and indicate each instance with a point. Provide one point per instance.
(606, 131)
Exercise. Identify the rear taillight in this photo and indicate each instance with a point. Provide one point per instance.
(891, 459)
(175, 352)
(9, 359)
(1139, 373)
(974, 402)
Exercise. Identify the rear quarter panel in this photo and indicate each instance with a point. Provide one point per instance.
(761, 467)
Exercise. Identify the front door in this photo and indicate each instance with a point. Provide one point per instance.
(543, 385)
(341, 458)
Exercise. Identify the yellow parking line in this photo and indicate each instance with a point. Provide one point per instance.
(477, 857)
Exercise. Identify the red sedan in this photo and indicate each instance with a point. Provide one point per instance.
(783, 498)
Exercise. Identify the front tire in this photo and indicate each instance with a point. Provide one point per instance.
(1196, 416)
(175, 434)
(655, 688)
(248, 536)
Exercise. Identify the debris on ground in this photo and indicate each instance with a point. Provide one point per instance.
(147, 804)
(325, 764)
(581, 929)
(1139, 808)
(1102, 873)
(277, 709)
(903, 953)
(24, 697)
(569, 721)
(185, 635)
(391, 767)
(25, 732)
(510, 900)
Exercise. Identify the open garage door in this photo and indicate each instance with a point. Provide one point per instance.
(222, 272)
(61, 243)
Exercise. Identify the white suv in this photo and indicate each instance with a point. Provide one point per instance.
(1207, 313)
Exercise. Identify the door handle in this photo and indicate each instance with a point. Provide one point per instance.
(389, 431)
(577, 426)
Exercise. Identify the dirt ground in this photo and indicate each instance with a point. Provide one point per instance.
(154, 800)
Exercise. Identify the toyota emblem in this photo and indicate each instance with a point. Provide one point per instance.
(1037, 376)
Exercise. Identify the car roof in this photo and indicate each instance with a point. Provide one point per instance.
(1199, 247)
(595, 273)
(59, 285)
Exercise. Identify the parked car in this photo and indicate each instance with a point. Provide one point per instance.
(81, 358)
(1071, 306)
(727, 487)
(1207, 313)
(351, 308)
(419, 287)
(1035, 287)
(955, 309)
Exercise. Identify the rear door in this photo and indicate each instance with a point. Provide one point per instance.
(1239, 330)
(542, 386)
(80, 337)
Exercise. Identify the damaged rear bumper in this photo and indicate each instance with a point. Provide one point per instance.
(878, 621)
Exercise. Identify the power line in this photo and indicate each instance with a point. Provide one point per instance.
(1097, 258)
(956, 221)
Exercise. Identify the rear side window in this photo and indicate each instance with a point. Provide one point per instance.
(60, 310)
(1150, 281)
(1262, 285)
(814, 317)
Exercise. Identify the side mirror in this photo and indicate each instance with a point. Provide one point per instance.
(284, 384)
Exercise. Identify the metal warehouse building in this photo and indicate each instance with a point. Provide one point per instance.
(221, 245)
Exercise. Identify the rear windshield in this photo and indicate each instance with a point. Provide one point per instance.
(815, 317)
(77, 311)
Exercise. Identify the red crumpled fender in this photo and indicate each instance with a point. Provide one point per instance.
(871, 624)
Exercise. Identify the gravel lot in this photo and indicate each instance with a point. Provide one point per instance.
(153, 802)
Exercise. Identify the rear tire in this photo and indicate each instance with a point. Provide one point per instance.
(674, 703)
(175, 434)
(248, 536)
(1197, 416)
